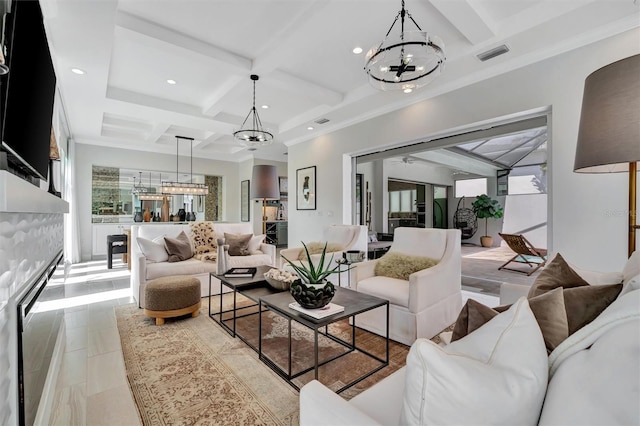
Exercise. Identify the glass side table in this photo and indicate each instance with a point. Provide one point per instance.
(344, 262)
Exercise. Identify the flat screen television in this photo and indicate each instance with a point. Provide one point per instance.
(28, 91)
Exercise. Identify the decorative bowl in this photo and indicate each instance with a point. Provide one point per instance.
(280, 280)
(277, 284)
(312, 296)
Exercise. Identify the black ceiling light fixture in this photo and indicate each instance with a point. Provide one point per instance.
(251, 132)
(407, 60)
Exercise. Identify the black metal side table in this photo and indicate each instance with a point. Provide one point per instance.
(341, 261)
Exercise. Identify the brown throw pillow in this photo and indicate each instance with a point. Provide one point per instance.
(583, 302)
(179, 248)
(548, 309)
(557, 273)
(317, 247)
(400, 266)
(238, 244)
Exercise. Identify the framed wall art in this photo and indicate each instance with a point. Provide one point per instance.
(245, 216)
(306, 188)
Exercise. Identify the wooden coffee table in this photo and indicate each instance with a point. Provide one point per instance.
(354, 303)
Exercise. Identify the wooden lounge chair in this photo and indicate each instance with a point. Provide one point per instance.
(525, 253)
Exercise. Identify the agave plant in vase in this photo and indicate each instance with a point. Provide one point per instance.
(313, 290)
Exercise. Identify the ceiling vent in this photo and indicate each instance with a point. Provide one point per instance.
(490, 54)
(322, 120)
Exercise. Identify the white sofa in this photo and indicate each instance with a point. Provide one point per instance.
(349, 237)
(143, 270)
(593, 376)
(432, 298)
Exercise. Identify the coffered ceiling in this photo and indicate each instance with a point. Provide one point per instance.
(302, 51)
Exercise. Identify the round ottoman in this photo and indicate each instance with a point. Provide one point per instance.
(172, 296)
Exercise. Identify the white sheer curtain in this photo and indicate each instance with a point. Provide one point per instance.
(71, 224)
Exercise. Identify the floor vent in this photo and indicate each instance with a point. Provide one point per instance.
(489, 54)
(322, 120)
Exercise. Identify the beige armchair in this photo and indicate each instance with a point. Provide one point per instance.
(432, 298)
(348, 237)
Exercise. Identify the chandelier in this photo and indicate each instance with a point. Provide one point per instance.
(184, 188)
(405, 61)
(252, 133)
(139, 189)
(151, 194)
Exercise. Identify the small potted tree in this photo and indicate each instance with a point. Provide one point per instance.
(487, 208)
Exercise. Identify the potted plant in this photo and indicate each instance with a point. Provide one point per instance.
(487, 208)
(313, 290)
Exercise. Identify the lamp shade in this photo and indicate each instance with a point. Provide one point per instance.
(264, 182)
(609, 132)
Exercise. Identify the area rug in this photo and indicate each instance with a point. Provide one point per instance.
(191, 371)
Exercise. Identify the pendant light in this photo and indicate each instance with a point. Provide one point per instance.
(151, 194)
(184, 188)
(405, 61)
(251, 133)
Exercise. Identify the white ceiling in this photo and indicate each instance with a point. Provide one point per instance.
(302, 51)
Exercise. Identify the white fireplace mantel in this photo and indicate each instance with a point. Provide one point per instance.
(19, 196)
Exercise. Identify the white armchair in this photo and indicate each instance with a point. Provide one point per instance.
(349, 237)
(429, 301)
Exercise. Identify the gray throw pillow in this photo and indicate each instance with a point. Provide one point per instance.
(179, 248)
(238, 244)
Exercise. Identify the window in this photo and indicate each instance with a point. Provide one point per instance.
(471, 187)
(528, 180)
(403, 201)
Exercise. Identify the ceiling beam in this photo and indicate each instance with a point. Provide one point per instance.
(159, 33)
(465, 18)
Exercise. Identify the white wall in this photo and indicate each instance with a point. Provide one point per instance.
(580, 205)
(89, 155)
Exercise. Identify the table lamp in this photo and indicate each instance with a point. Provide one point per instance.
(609, 132)
(265, 186)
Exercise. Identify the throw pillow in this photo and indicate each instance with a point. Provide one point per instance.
(632, 267)
(255, 242)
(238, 244)
(548, 309)
(583, 302)
(317, 247)
(557, 273)
(153, 250)
(400, 266)
(204, 241)
(179, 248)
(497, 375)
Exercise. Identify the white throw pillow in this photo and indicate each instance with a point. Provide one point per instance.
(154, 251)
(632, 267)
(254, 244)
(494, 375)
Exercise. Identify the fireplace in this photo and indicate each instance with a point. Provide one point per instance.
(37, 335)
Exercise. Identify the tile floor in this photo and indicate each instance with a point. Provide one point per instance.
(92, 387)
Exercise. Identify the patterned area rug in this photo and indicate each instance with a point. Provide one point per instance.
(191, 371)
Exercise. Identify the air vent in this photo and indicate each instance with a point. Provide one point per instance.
(490, 54)
(322, 120)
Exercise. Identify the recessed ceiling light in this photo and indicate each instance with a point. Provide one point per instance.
(309, 128)
(408, 90)
(265, 106)
(171, 81)
(77, 71)
(357, 50)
